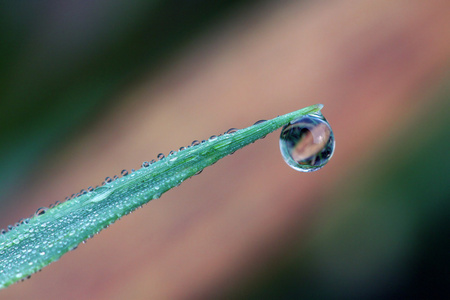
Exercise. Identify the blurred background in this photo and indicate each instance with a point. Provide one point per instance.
(88, 88)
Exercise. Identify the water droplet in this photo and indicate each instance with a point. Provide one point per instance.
(145, 164)
(160, 156)
(171, 153)
(231, 130)
(40, 211)
(133, 170)
(108, 179)
(182, 148)
(195, 143)
(3, 231)
(115, 177)
(307, 143)
(90, 189)
(83, 192)
(213, 137)
(259, 122)
(124, 172)
(152, 161)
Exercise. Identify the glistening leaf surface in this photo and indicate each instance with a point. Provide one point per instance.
(45, 238)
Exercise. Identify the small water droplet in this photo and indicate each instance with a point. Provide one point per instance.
(90, 189)
(40, 211)
(307, 143)
(108, 179)
(115, 177)
(145, 164)
(83, 192)
(124, 172)
(160, 156)
(213, 137)
(195, 143)
(152, 161)
(182, 148)
(133, 170)
(171, 153)
(3, 231)
(231, 130)
(259, 122)
(67, 198)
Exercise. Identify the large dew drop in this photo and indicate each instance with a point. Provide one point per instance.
(307, 144)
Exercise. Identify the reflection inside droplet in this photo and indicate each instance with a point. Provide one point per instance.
(307, 144)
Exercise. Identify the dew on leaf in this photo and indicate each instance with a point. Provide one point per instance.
(124, 172)
(231, 130)
(307, 143)
(40, 211)
(259, 122)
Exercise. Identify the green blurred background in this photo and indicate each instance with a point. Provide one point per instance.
(88, 88)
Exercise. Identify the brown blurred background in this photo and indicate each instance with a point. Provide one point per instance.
(88, 88)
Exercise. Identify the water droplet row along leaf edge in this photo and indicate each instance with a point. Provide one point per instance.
(45, 238)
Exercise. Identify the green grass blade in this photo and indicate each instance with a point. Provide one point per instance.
(44, 238)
